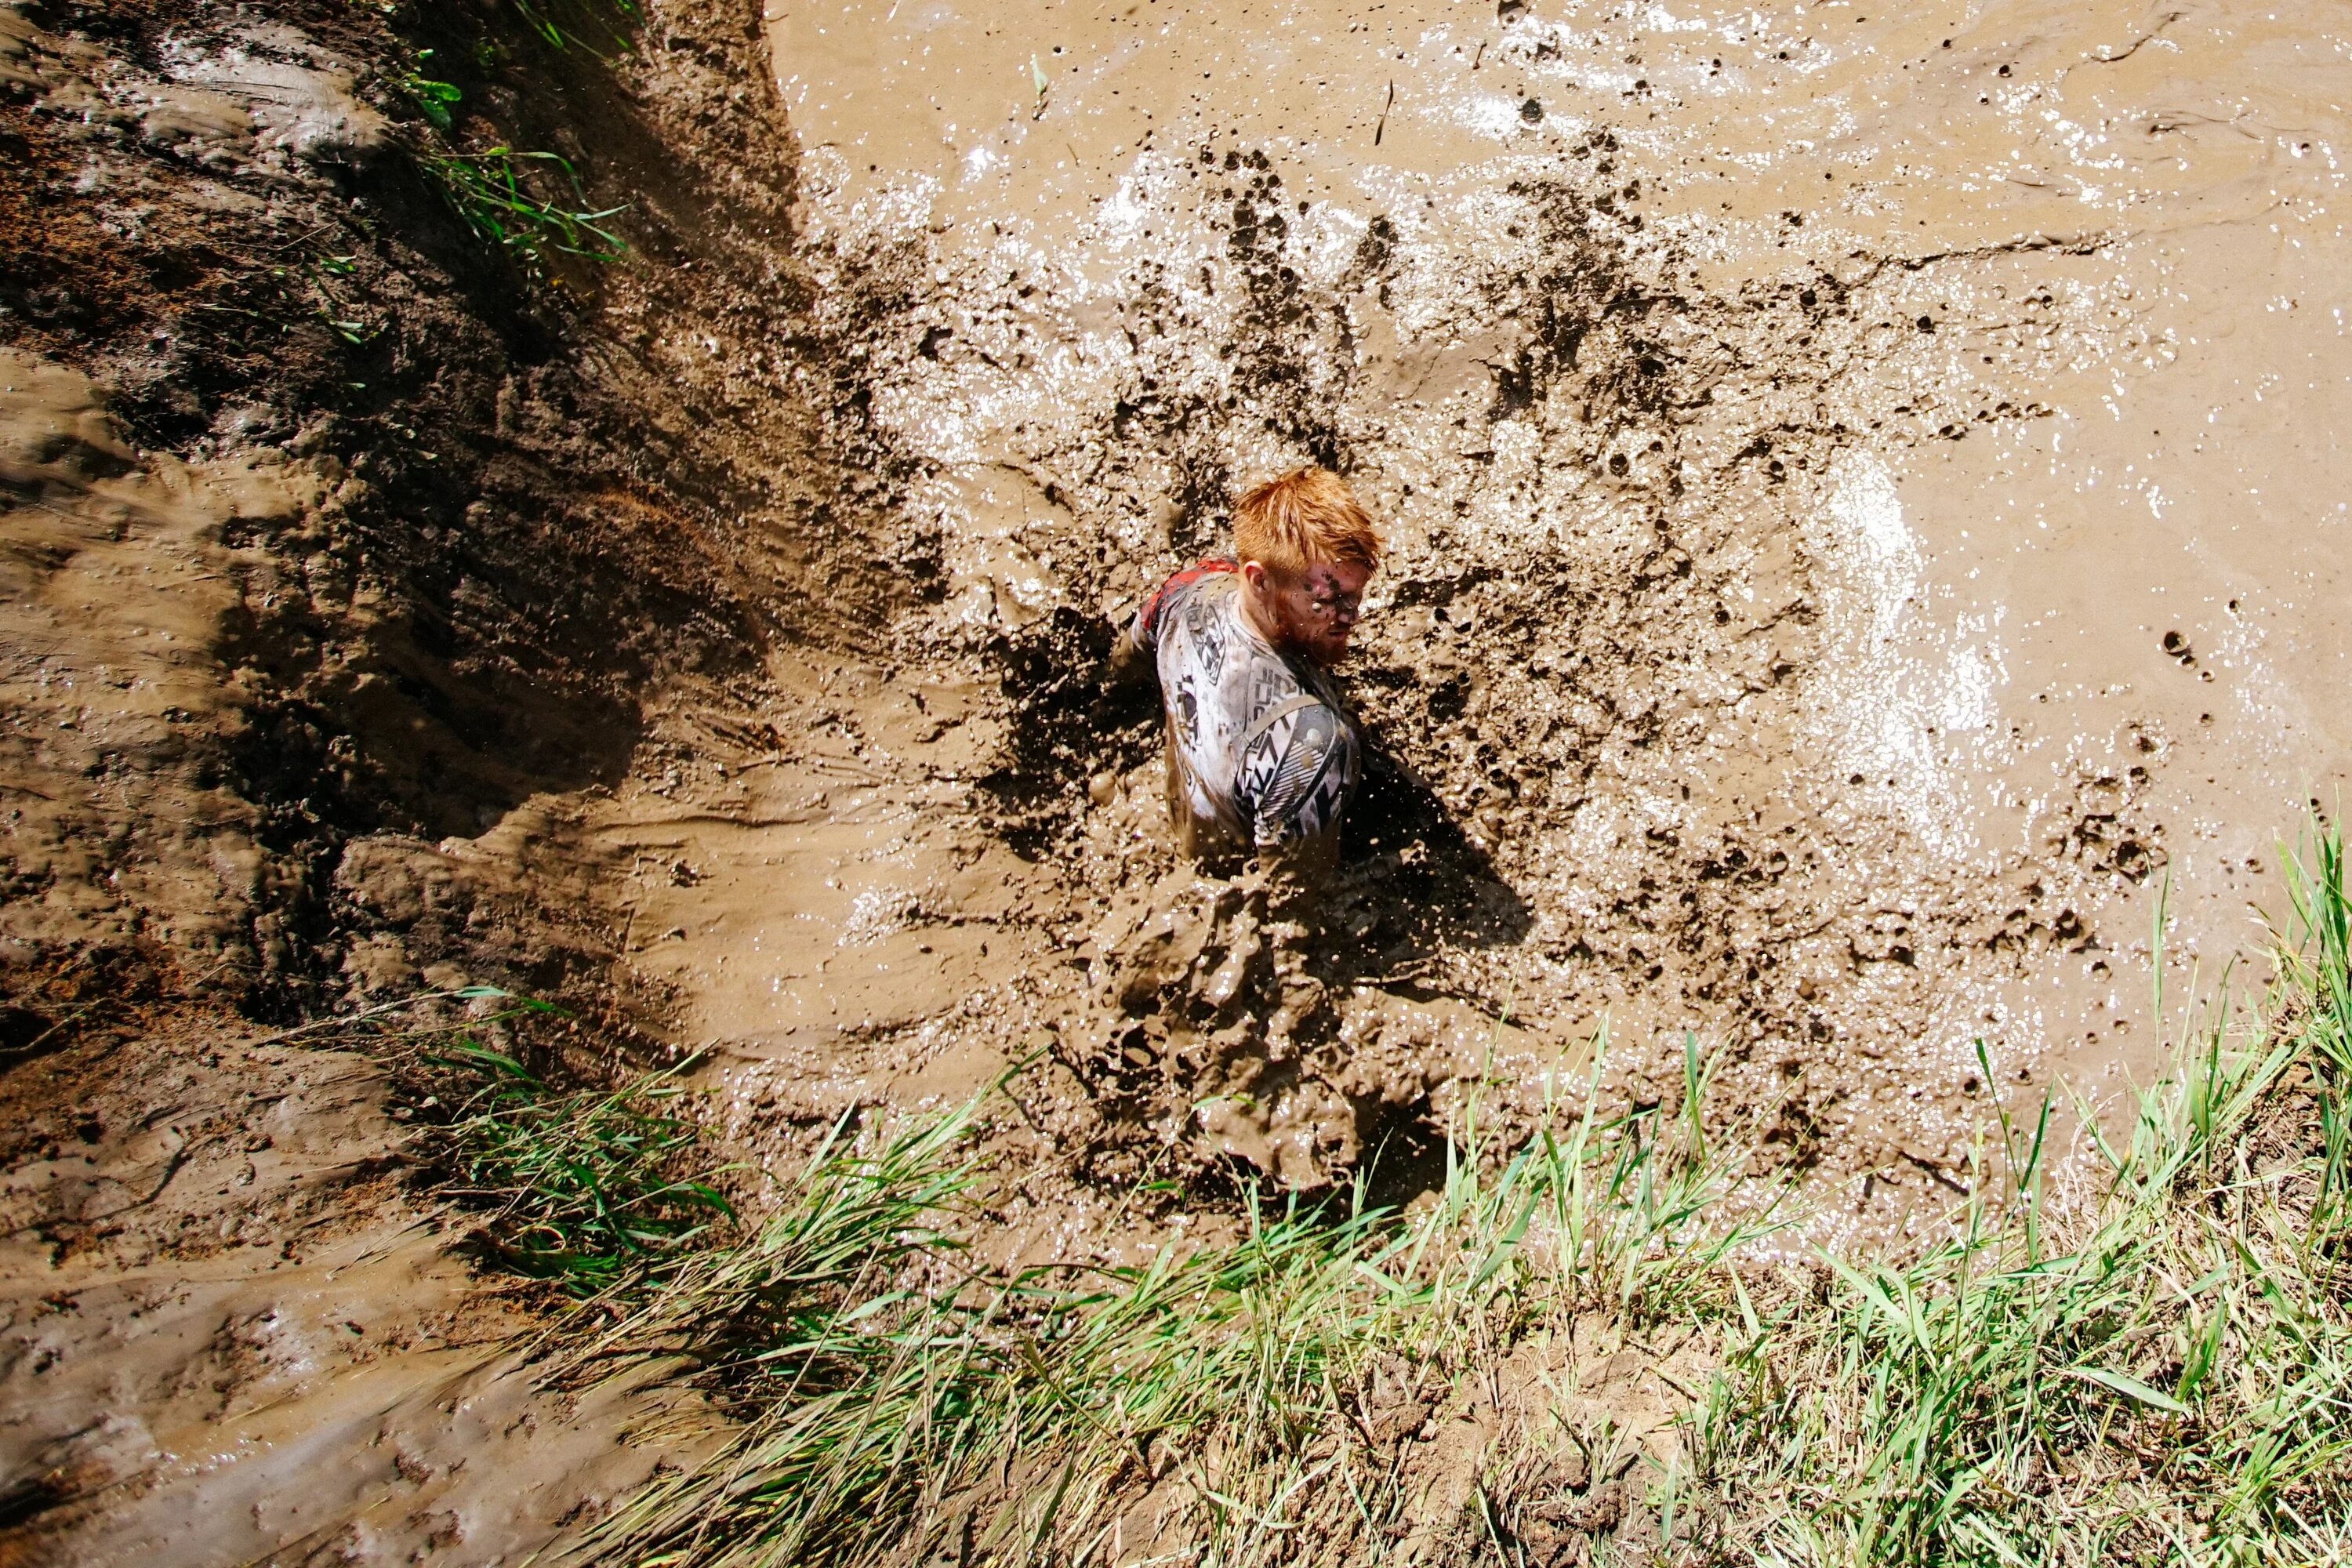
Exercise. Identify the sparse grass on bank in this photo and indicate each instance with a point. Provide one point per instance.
(495, 191)
(597, 26)
(592, 1189)
(2152, 1367)
(893, 1399)
(2146, 1359)
(528, 204)
(601, 1191)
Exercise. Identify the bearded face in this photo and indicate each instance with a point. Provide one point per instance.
(1314, 612)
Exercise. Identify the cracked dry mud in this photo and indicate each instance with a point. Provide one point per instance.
(1864, 520)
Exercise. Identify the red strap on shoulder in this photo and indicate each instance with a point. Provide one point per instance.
(1149, 620)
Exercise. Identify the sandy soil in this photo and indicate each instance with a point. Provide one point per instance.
(1802, 630)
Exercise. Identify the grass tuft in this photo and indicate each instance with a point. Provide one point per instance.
(498, 192)
(528, 204)
(601, 1190)
(436, 101)
(2152, 1365)
(595, 26)
(582, 1188)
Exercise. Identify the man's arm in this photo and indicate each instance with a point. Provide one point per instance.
(1298, 776)
(1129, 663)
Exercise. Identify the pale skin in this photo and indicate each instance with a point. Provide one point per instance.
(1310, 613)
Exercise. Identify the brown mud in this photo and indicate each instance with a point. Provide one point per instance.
(225, 1295)
(1863, 503)
(1705, 368)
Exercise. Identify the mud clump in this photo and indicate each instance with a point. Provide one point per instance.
(1225, 1030)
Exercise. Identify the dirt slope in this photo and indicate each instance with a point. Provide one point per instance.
(337, 546)
(445, 523)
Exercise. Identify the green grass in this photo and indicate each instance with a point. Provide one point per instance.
(601, 1191)
(2142, 1356)
(528, 204)
(891, 1397)
(2152, 1365)
(593, 25)
(2158, 1375)
(597, 1190)
(504, 196)
(436, 101)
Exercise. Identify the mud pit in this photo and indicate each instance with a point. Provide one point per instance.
(1800, 631)
(1864, 504)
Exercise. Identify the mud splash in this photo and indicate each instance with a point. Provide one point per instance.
(1801, 630)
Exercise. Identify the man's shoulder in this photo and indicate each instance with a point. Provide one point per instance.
(1185, 598)
(1278, 691)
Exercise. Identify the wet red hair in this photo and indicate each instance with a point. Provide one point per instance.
(1307, 516)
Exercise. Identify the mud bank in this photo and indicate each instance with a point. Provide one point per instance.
(340, 553)
(1864, 526)
(229, 1305)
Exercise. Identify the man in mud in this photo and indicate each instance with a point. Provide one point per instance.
(1261, 756)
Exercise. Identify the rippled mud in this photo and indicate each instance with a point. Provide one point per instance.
(1801, 630)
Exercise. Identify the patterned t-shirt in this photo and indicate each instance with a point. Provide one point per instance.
(1261, 742)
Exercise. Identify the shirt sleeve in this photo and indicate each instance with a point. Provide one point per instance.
(1295, 778)
(1145, 629)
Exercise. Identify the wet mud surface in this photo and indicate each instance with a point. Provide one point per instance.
(214, 1314)
(1801, 630)
(1864, 509)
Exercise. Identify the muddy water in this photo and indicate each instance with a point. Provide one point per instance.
(1862, 480)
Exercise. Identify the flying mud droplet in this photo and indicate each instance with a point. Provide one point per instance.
(1531, 112)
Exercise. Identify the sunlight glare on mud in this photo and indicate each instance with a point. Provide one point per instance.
(1862, 478)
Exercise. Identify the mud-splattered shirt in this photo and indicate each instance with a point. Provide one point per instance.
(1262, 745)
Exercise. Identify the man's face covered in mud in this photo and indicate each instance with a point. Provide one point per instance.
(1311, 612)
